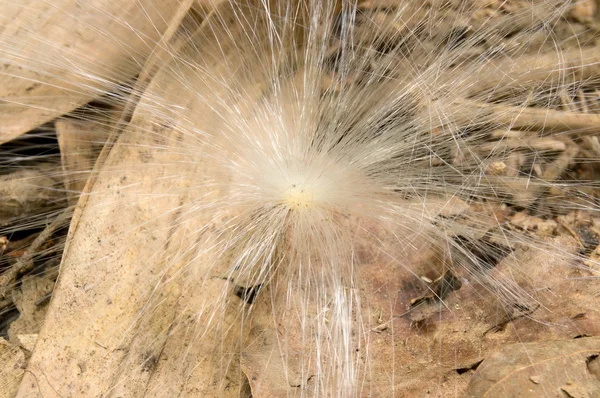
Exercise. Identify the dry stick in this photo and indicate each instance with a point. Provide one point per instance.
(574, 123)
(25, 263)
(539, 143)
(555, 169)
(543, 120)
(547, 69)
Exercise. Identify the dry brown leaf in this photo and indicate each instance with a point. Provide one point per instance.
(80, 144)
(439, 352)
(29, 192)
(27, 341)
(39, 39)
(272, 369)
(32, 315)
(12, 367)
(107, 328)
(540, 369)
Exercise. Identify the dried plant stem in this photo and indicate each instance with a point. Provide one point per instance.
(546, 120)
(25, 263)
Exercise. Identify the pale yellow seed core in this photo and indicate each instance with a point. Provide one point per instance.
(298, 197)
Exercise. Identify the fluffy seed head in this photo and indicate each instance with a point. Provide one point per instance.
(296, 159)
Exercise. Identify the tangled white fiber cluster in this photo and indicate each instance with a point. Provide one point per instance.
(296, 196)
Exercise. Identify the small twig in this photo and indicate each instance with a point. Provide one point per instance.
(571, 231)
(533, 70)
(540, 144)
(25, 263)
(580, 124)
